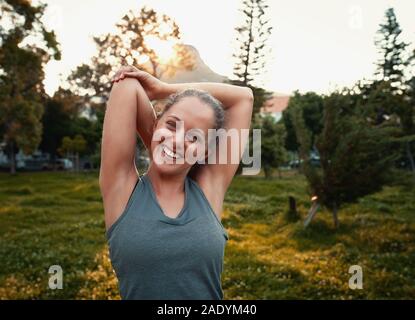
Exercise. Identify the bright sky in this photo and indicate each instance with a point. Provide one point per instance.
(317, 45)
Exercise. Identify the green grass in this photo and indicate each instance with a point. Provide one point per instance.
(57, 218)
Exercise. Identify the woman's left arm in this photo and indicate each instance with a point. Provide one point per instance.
(231, 96)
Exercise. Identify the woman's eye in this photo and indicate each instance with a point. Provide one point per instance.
(171, 124)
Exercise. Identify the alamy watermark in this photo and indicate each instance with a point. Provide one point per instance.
(356, 280)
(56, 277)
(223, 146)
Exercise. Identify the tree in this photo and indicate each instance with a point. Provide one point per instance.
(392, 62)
(387, 99)
(253, 52)
(411, 127)
(355, 155)
(60, 115)
(252, 37)
(133, 43)
(397, 110)
(26, 46)
(72, 148)
(290, 143)
(273, 153)
(311, 106)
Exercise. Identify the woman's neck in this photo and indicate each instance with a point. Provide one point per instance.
(165, 184)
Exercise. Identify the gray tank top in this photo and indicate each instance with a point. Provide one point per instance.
(162, 258)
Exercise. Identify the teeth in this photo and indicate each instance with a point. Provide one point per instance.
(170, 153)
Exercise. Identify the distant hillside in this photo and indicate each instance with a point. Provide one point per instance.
(201, 72)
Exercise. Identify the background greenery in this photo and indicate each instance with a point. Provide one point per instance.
(363, 181)
(57, 218)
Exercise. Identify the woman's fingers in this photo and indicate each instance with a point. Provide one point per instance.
(135, 74)
(119, 75)
(130, 72)
(116, 76)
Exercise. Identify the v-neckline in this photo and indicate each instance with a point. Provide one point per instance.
(163, 217)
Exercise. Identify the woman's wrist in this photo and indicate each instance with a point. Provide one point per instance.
(166, 90)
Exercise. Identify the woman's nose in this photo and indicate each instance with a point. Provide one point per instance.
(179, 139)
(177, 143)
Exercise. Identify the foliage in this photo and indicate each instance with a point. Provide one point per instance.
(130, 44)
(389, 97)
(311, 105)
(26, 46)
(75, 145)
(61, 112)
(252, 37)
(273, 153)
(55, 218)
(392, 62)
(355, 156)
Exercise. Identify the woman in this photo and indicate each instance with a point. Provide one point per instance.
(164, 228)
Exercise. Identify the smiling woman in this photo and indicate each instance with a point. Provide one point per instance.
(164, 227)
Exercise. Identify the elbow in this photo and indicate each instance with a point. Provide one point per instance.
(100, 182)
(249, 94)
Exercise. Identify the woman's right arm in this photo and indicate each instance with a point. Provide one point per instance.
(128, 111)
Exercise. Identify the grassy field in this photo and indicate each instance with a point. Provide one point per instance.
(57, 218)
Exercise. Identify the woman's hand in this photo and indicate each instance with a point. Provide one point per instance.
(119, 75)
(153, 87)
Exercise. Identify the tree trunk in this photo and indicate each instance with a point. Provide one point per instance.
(12, 159)
(335, 217)
(292, 214)
(410, 157)
(292, 203)
(267, 172)
(311, 213)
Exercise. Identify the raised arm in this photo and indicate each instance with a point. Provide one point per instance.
(238, 104)
(127, 112)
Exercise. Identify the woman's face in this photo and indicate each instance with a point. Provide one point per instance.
(180, 136)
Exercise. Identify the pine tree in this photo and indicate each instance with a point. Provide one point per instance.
(252, 37)
(410, 146)
(355, 155)
(392, 50)
(387, 99)
(392, 67)
(253, 50)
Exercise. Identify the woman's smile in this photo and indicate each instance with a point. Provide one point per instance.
(170, 153)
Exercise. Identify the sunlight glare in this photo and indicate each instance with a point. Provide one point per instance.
(163, 48)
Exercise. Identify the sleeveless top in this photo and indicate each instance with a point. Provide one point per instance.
(162, 258)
